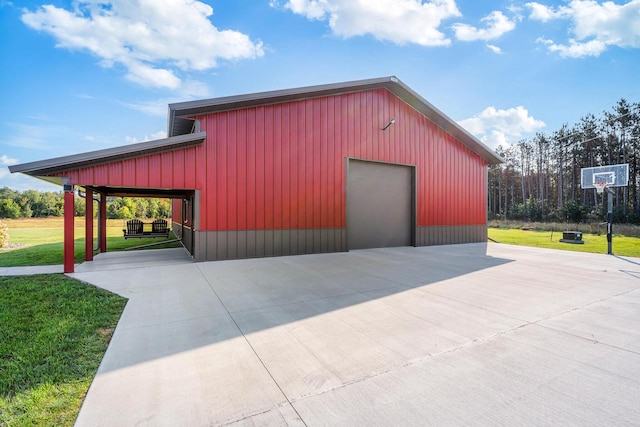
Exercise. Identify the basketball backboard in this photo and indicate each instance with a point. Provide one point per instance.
(612, 176)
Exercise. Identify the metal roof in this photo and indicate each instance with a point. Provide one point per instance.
(181, 123)
(61, 164)
(181, 113)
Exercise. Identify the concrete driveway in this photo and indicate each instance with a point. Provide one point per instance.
(449, 335)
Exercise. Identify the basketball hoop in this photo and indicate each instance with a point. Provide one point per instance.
(601, 178)
(600, 186)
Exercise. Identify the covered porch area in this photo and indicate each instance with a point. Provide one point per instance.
(164, 168)
(99, 195)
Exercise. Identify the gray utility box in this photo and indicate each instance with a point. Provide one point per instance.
(574, 237)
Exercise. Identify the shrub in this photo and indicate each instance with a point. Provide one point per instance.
(4, 234)
(9, 209)
(573, 212)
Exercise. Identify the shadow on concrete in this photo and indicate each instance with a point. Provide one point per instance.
(627, 260)
(634, 274)
(208, 303)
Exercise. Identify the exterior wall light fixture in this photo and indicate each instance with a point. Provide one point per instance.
(389, 124)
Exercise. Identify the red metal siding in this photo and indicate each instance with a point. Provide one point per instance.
(141, 170)
(115, 174)
(283, 166)
(172, 169)
(155, 168)
(101, 174)
(176, 210)
(166, 170)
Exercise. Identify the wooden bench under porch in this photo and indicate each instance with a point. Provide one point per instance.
(137, 229)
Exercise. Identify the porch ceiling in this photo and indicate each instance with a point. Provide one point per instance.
(142, 192)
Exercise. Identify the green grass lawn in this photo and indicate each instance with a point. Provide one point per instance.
(43, 238)
(54, 333)
(622, 245)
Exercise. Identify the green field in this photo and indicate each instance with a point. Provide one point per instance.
(54, 333)
(41, 239)
(55, 330)
(622, 245)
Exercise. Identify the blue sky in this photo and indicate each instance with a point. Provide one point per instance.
(87, 75)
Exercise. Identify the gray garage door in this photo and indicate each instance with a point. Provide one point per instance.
(379, 205)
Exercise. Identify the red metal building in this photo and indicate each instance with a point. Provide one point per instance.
(318, 169)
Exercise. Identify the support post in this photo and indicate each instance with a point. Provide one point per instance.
(183, 215)
(609, 220)
(68, 229)
(88, 226)
(102, 237)
(193, 226)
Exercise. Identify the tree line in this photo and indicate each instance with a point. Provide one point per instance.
(38, 204)
(540, 178)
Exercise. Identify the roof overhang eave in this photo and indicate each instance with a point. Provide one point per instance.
(191, 109)
(42, 168)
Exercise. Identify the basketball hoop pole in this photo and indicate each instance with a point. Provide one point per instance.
(601, 178)
(609, 219)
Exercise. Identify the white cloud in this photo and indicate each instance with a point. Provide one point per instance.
(147, 76)
(516, 11)
(312, 9)
(497, 25)
(575, 49)
(495, 49)
(501, 127)
(161, 134)
(8, 161)
(540, 12)
(594, 26)
(397, 21)
(154, 40)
